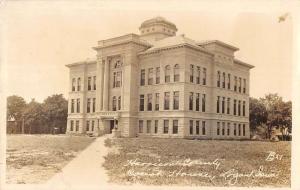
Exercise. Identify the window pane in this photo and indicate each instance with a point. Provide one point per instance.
(166, 126)
(167, 101)
(175, 126)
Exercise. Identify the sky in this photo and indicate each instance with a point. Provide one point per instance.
(40, 37)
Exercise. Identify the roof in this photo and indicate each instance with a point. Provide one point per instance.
(87, 61)
(243, 63)
(202, 43)
(157, 20)
(121, 40)
(174, 41)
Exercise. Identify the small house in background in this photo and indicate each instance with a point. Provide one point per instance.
(12, 126)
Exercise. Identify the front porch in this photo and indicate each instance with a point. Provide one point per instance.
(107, 122)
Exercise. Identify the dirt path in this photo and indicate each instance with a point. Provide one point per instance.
(85, 170)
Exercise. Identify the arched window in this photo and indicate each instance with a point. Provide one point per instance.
(224, 79)
(176, 73)
(73, 84)
(78, 84)
(167, 73)
(114, 104)
(219, 79)
(119, 103)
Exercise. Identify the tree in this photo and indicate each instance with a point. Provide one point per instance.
(55, 110)
(15, 108)
(279, 113)
(258, 113)
(33, 116)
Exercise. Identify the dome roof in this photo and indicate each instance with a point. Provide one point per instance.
(157, 20)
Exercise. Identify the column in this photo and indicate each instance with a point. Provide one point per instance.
(100, 84)
(106, 85)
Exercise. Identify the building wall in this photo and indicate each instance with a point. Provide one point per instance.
(131, 89)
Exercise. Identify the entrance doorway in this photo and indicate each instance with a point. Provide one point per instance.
(112, 125)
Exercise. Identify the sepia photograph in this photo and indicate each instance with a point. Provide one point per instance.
(121, 94)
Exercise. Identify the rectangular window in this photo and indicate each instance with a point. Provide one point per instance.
(72, 105)
(78, 105)
(176, 100)
(228, 105)
(73, 84)
(218, 104)
(94, 104)
(87, 125)
(239, 108)
(166, 126)
(148, 126)
(141, 102)
(114, 79)
(228, 82)
(235, 83)
(155, 126)
(114, 104)
(234, 129)
(167, 73)
(78, 84)
(244, 108)
(191, 73)
(223, 128)
(150, 76)
(198, 75)
(88, 105)
(218, 128)
(203, 102)
(175, 126)
(157, 75)
(219, 79)
(197, 127)
(89, 83)
(142, 77)
(228, 129)
(191, 127)
(149, 103)
(93, 125)
(223, 105)
(94, 82)
(240, 84)
(71, 125)
(119, 79)
(197, 101)
(234, 107)
(203, 128)
(244, 87)
(244, 130)
(191, 102)
(239, 129)
(157, 101)
(223, 83)
(119, 103)
(141, 123)
(77, 125)
(176, 73)
(167, 101)
(204, 76)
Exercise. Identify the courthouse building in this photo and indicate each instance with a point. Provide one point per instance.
(159, 84)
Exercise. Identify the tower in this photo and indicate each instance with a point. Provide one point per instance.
(156, 29)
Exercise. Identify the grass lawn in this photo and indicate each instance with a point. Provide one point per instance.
(198, 162)
(36, 158)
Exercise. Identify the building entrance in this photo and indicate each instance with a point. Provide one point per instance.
(112, 125)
